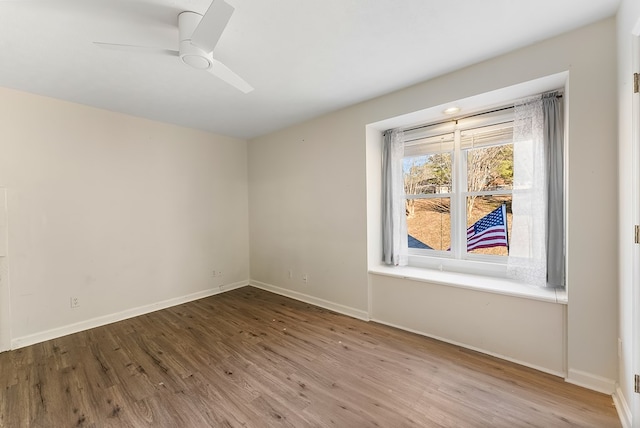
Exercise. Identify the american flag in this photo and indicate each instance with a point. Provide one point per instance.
(489, 231)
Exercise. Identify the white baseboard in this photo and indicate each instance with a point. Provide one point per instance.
(591, 381)
(624, 413)
(21, 342)
(336, 307)
(473, 348)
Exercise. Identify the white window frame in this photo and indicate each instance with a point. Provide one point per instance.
(458, 259)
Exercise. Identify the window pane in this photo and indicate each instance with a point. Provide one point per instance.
(490, 168)
(429, 223)
(427, 174)
(486, 231)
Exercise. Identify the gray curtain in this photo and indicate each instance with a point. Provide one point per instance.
(394, 235)
(553, 114)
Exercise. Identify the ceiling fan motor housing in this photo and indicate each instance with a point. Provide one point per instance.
(191, 54)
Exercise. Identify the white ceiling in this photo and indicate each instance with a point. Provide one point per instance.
(303, 57)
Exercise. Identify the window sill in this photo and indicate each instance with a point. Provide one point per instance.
(472, 282)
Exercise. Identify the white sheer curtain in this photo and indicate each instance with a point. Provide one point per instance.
(394, 220)
(527, 261)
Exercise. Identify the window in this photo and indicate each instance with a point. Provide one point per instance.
(481, 194)
(458, 181)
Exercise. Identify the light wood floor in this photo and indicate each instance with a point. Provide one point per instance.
(255, 359)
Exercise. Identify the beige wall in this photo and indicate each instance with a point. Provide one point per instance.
(521, 330)
(308, 209)
(121, 212)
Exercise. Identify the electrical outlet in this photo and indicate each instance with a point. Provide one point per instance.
(305, 278)
(75, 302)
(290, 273)
(216, 273)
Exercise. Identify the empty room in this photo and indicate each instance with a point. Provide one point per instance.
(350, 213)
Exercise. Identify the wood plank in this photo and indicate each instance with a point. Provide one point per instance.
(251, 358)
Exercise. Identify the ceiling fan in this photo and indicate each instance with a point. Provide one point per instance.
(199, 35)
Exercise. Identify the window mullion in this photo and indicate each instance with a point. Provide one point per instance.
(458, 230)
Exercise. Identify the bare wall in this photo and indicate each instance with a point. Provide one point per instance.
(121, 212)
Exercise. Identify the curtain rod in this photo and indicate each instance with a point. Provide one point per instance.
(469, 116)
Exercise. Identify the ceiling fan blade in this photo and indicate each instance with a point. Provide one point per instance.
(223, 72)
(136, 48)
(212, 24)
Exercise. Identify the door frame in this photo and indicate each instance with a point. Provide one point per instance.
(635, 278)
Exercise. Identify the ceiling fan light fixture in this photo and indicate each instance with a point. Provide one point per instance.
(196, 61)
(194, 56)
(191, 54)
